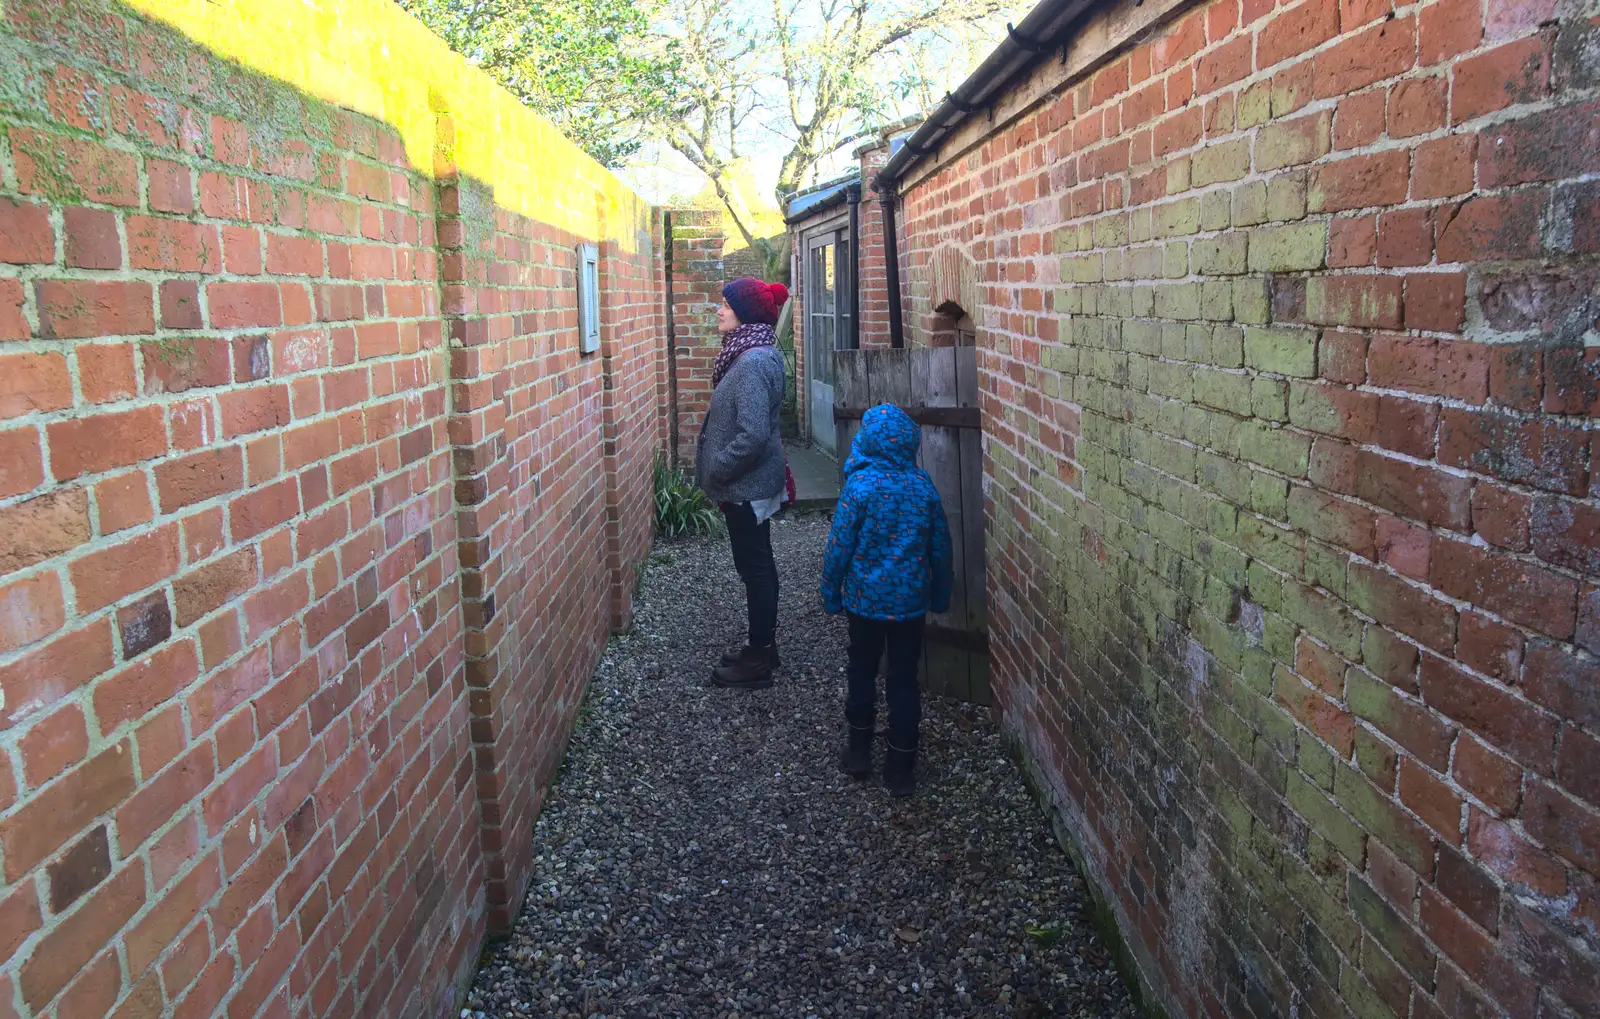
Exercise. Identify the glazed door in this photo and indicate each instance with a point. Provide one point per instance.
(827, 328)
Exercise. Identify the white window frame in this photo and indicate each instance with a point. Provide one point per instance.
(588, 298)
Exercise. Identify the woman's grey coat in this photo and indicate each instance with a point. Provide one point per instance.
(739, 457)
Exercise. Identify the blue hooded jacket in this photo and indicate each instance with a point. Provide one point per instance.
(889, 552)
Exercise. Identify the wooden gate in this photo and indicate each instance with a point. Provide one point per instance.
(938, 388)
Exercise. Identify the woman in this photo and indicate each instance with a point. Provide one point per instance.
(740, 464)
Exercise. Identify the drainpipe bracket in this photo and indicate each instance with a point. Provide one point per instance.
(1025, 44)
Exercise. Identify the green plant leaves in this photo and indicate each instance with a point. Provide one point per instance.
(681, 508)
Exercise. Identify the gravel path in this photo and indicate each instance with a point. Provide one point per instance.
(702, 856)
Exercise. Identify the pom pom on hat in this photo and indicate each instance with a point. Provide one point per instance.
(755, 301)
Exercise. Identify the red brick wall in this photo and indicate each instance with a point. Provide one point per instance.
(552, 492)
(697, 279)
(871, 277)
(314, 523)
(1294, 527)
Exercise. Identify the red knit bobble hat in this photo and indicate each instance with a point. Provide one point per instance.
(755, 301)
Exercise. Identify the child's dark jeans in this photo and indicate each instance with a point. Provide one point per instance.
(868, 638)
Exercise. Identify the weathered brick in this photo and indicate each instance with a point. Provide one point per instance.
(1562, 681)
(1436, 301)
(1404, 607)
(1564, 824)
(254, 409)
(1416, 106)
(1358, 182)
(1363, 301)
(1494, 780)
(1447, 368)
(92, 239)
(180, 305)
(1223, 66)
(72, 309)
(171, 186)
(177, 365)
(1359, 119)
(1549, 455)
(1223, 255)
(144, 624)
(33, 382)
(1352, 241)
(1381, 51)
(1578, 765)
(99, 442)
(1293, 142)
(13, 324)
(1494, 79)
(1522, 593)
(1490, 227)
(1567, 534)
(1282, 351)
(1295, 31)
(198, 477)
(1405, 237)
(105, 371)
(1449, 28)
(1520, 151)
(21, 461)
(1444, 167)
(71, 170)
(1288, 248)
(1501, 516)
(207, 588)
(172, 245)
(43, 527)
(51, 746)
(244, 305)
(26, 234)
(1220, 162)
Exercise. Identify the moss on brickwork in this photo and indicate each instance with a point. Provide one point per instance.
(1224, 644)
(1102, 909)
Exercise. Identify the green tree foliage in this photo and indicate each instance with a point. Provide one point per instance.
(715, 79)
(592, 67)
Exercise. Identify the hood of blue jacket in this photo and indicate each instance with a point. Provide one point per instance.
(888, 441)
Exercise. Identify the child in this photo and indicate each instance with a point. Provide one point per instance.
(887, 565)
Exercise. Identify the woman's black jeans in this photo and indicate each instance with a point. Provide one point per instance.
(752, 557)
(868, 638)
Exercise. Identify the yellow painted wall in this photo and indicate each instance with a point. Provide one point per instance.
(372, 57)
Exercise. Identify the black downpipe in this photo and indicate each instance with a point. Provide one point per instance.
(853, 196)
(891, 262)
(672, 345)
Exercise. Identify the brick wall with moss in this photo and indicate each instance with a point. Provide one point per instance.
(1290, 345)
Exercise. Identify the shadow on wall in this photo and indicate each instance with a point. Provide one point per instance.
(315, 517)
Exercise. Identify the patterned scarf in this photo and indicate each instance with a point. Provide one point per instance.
(747, 337)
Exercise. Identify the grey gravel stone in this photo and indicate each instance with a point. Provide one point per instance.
(702, 856)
